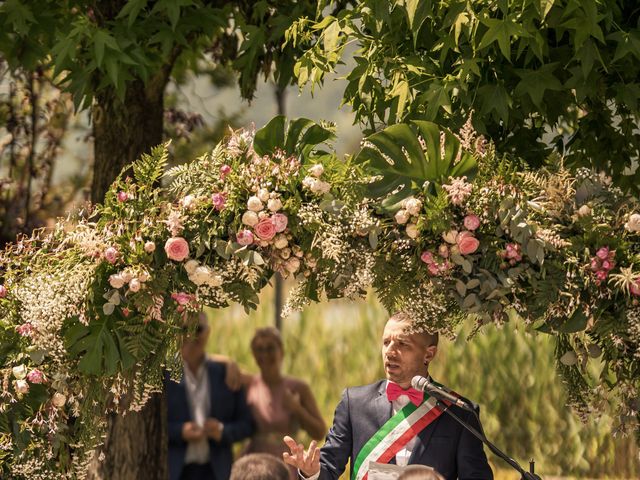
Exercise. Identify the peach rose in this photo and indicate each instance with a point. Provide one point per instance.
(177, 249)
(467, 243)
(265, 229)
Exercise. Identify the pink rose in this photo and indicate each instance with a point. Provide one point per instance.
(225, 170)
(182, 298)
(467, 243)
(603, 253)
(244, 237)
(177, 249)
(218, 200)
(434, 269)
(607, 265)
(280, 220)
(513, 251)
(601, 275)
(634, 288)
(123, 196)
(595, 265)
(35, 376)
(265, 229)
(126, 312)
(427, 257)
(111, 255)
(3, 291)
(471, 222)
(26, 329)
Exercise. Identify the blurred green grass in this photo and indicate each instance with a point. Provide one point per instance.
(510, 373)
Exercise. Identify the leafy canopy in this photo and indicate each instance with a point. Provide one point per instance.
(539, 74)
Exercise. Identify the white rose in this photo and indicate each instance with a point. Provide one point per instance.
(274, 204)
(584, 211)
(320, 187)
(19, 372)
(309, 182)
(116, 280)
(200, 275)
(58, 400)
(188, 202)
(126, 276)
(191, 266)
(263, 194)
(281, 241)
(633, 224)
(214, 281)
(316, 170)
(413, 206)
(254, 204)
(22, 387)
(292, 265)
(250, 218)
(402, 217)
(134, 285)
(412, 230)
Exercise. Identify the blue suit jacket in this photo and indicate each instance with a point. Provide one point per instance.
(227, 406)
(444, 444)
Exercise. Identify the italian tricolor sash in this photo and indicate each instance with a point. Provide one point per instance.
(394, 435)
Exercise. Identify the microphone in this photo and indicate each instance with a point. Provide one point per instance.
(425, 385)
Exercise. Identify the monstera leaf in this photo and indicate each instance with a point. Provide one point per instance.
(300, 137)
(98, 348)
(405, 163)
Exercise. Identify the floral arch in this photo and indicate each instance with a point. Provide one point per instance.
(434, 222)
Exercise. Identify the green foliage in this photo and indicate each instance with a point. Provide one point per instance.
(300, 137)
(408, 156)
(547, 74)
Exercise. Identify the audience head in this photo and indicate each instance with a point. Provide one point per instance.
(194, 344)
(420, 472)
(267, 348)
(406, 349)
(259, 466)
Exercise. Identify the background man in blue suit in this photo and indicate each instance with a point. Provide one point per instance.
(443, 444)
(205, 417)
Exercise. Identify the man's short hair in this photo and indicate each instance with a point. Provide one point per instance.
(414, 327)
(259, 466)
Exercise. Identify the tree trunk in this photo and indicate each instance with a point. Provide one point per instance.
(123, 130)
(136, 443)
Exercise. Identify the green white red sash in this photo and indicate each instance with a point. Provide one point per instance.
(394, 435)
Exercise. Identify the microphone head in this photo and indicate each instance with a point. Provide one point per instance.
(418, 382)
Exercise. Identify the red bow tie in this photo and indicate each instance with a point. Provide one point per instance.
(394, 391)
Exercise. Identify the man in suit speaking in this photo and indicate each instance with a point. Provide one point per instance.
(390, 422)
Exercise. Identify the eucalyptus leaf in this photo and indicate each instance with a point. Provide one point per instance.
(461, 288)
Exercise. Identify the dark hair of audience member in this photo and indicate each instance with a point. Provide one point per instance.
(420, 472)
(259, 466)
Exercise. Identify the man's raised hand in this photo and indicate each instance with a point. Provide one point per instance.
(307, 462)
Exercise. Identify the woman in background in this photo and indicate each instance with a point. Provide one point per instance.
(280, 404)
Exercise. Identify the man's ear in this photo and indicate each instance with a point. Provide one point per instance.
(429, 353)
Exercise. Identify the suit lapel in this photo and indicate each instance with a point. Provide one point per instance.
(383, 410)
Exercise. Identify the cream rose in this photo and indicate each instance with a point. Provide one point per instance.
(413, 206)
(254, 204)
(402, 217)
(412, 230)
(274, 204)
(633, 224)
(250, 218)
(58, 400)
(316, 170)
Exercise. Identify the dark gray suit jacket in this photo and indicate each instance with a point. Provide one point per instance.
(227, 406)
(444, 444)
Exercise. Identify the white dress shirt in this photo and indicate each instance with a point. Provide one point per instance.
(199, 403)
(402, 457)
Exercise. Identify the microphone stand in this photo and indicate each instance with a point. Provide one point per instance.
(483, 438)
